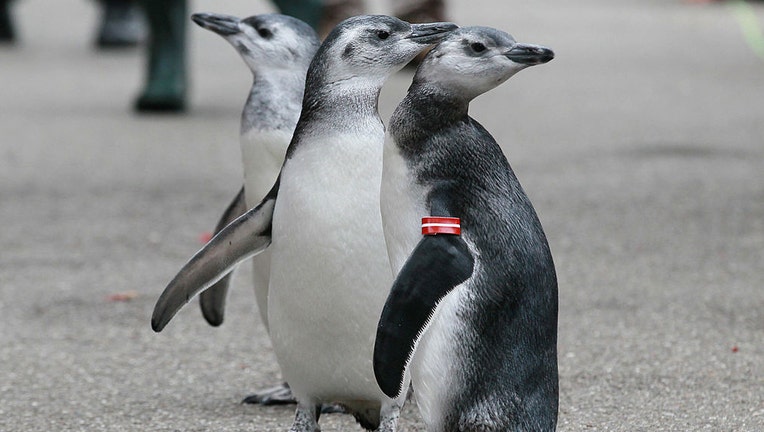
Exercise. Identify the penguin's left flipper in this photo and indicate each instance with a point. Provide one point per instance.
(212, 300)
(437, 265)
(243, 238)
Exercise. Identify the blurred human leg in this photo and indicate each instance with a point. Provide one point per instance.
(121, 24)
(166, 81)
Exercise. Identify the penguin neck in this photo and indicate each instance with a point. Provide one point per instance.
(438, 104)
(331, 112)
(273, 103)
(344, 101)
(426, 109)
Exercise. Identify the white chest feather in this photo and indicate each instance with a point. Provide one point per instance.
(330, 274)
(262, 154)
(402, 205)
(434, 368)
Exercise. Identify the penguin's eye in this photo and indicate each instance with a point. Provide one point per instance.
(382, 34)
(477, 47)
(264, 33)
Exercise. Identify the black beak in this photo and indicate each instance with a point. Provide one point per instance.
(430, 33)
(530, 54)
(224, 25)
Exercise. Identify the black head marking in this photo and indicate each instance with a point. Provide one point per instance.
(265, 33)
(267, 25)
(348, 51)
(262, 24)
(379, 27)
(253, 21)
(242, 48)
(373, 23)
(476, 41)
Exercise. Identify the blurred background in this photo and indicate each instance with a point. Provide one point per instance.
(641, 145)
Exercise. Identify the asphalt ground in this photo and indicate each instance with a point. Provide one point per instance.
(641, 146)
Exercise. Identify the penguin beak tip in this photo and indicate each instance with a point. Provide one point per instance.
(530, 54)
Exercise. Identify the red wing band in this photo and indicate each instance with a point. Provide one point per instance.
(441, 225)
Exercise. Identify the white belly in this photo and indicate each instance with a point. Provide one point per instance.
(330, 274)
(434, 369)
(402, 206)
(262, 156)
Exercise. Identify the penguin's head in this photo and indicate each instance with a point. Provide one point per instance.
(473, 60)
(372, 47)
(265, 42)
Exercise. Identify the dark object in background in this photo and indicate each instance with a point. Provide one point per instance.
(166, 82)
(7, 33)
(121, 24)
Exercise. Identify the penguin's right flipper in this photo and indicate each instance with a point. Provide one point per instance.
(212, 300)
(437, 265)
(243, 238)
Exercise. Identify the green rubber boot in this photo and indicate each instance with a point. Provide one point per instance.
(121, 24)
(166, 81)
(309, 11)
(7, 34)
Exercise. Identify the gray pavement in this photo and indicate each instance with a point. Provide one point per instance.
(641, 145)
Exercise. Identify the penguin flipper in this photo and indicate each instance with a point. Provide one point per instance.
(212, 300)
(243, 238)
(437, 265)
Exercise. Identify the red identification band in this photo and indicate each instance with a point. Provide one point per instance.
(441, 225)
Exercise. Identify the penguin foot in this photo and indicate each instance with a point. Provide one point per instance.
(282, 395)
(278, 395)
(306, 418)
(388, 421)
(333, 409)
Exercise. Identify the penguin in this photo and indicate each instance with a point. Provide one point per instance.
(278, 50)
(330, 272)
(472, 314)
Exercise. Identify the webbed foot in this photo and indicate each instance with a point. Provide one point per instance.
(282, 395)
(278, 395)
(306, 418)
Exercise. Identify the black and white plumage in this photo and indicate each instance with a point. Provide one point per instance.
(277, 49)
(330, 273)
(471, 318)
